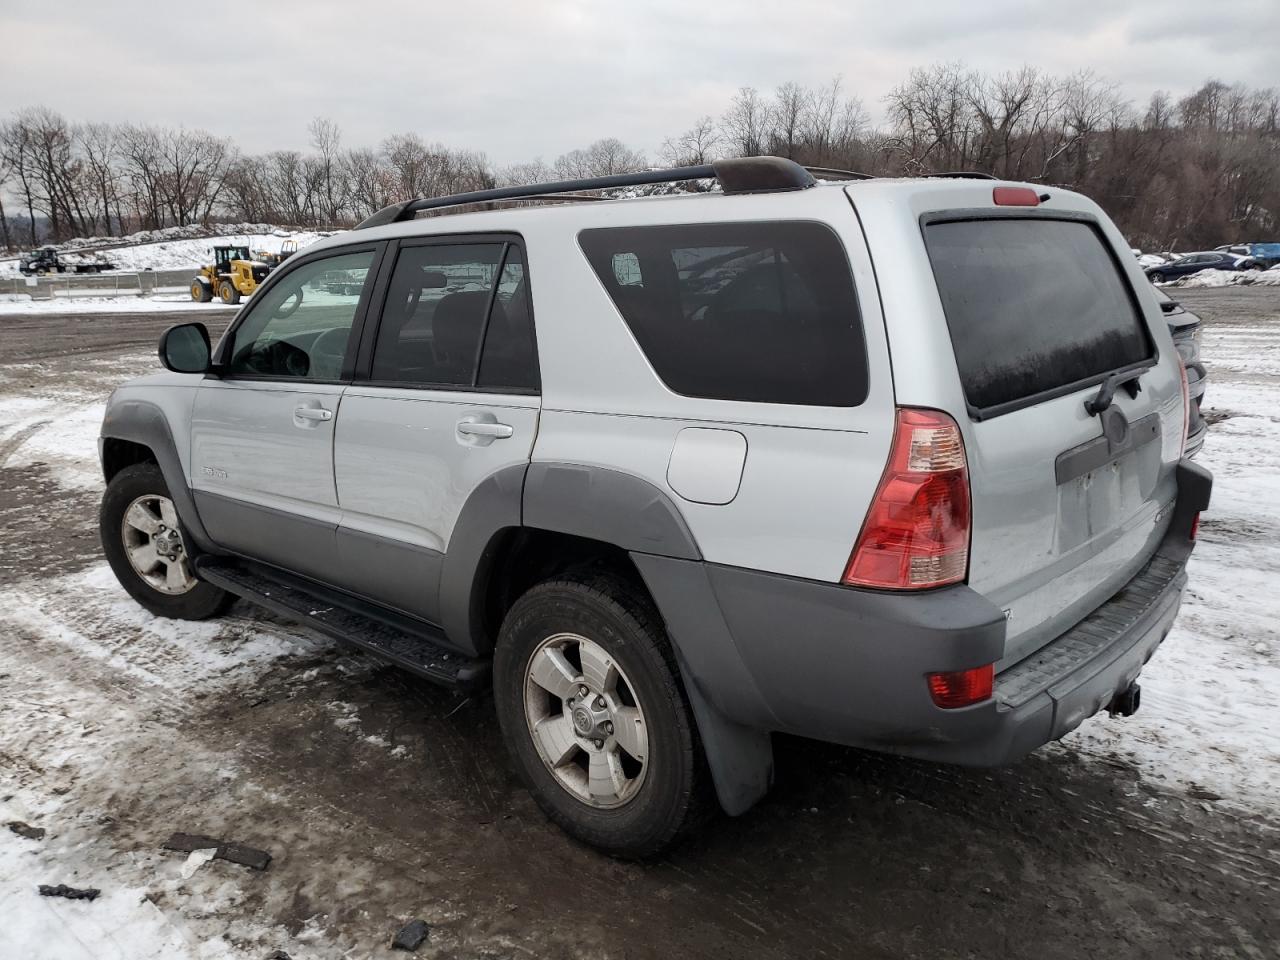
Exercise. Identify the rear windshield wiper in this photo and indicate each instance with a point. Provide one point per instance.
(1107, 392)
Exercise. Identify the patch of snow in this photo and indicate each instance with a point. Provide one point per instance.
(161, 303)
(177, 248)
(1226, 278)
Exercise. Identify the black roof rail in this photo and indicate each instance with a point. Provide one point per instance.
(961, 175)
(834, 173)
(740, 175)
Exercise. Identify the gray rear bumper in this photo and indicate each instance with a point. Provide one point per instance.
(849, 666)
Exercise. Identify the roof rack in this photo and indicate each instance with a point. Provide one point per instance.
(741, 175)
(961, 175)
(833, 173)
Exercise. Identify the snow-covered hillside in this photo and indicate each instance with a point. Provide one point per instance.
(175, 248)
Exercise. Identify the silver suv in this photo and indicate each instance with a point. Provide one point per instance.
(895, 464)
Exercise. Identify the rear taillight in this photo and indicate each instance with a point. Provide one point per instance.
(1195, 526)
(962, 688)
(1186, 408)
(917, 531)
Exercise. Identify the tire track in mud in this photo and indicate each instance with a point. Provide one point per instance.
(9, 446)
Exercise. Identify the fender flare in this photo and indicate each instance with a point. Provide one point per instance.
(635, 515)
(577, 499)
(144, 423)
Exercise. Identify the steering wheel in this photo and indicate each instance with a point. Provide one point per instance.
(327, 351)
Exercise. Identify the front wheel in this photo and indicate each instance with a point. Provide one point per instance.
(594, 716)
(1156, 277)
(200, 292)
(143, 542)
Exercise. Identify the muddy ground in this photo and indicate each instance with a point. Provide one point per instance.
(383, 798)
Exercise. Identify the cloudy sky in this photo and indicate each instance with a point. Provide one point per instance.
(539, 77)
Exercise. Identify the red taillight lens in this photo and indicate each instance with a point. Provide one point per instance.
(1195, 526)
(917, 530)
(1186, 407)
(1015, 197)
(960, 689)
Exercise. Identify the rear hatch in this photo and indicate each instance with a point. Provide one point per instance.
(1040, 314)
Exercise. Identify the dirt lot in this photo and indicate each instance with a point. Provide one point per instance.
(382, 798)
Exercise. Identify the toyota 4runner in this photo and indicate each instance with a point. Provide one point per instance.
(890, 463)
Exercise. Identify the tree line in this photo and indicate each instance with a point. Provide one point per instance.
(1174, 173)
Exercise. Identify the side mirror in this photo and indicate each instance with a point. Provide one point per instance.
(185, 348)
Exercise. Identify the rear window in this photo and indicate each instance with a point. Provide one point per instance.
(1033, 306)
(761, 312)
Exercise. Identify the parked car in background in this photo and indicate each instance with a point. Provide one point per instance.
(1191, 263)
(1264, 254)
(1185, 328)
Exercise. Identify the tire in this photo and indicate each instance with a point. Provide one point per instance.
(142, 487)
(1156, 276)
(665, 793)
(200, 291)
(228, 292)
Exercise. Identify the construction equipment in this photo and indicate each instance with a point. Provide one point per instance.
(48, 260)
(232, 275)
(287, 249)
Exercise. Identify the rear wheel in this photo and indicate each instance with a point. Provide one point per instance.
(200, 291)
(594, 716)
(1156, 276)
(142, 539)
(228, 292)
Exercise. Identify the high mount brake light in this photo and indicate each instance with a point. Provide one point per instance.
(1015, 197)
(916, 534)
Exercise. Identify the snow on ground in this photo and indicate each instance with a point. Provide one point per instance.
(1227, 278)
(160, 303)
(176, 249)
(68, 738)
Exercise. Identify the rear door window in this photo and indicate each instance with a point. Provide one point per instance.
(1033, 306)
(761, 312)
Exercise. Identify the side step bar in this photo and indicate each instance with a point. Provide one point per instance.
(414, 646)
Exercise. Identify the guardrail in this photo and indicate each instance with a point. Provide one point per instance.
(109, 284)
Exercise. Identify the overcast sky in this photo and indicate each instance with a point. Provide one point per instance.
(537, 78)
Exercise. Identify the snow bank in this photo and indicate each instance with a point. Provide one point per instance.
(162, 303)
(181, 247)
(1227, 278)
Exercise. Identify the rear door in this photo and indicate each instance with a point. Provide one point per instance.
(447, 397)
(1067, 504)
(262, 432)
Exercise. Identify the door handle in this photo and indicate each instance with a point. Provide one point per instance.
(485, 428)
(312, 413)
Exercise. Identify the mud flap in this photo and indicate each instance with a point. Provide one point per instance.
(740, 758)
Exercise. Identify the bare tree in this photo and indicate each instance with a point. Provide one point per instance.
(696, 146)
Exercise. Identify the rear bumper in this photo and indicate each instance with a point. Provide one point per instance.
(849, 666)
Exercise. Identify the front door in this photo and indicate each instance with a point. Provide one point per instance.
(262, 432)
(451, 398)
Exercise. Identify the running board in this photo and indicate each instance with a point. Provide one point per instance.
(414, 646)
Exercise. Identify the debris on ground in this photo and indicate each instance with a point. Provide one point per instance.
(196, 860)
(71, 893)
(224, 850)
(26, 830)
(411, 936)
(278, 955)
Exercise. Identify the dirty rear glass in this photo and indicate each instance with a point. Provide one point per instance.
(1033, 306)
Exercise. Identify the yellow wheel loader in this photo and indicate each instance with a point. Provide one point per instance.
(232, 275)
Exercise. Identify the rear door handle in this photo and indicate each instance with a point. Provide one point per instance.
(486, 429)
(312, 413)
